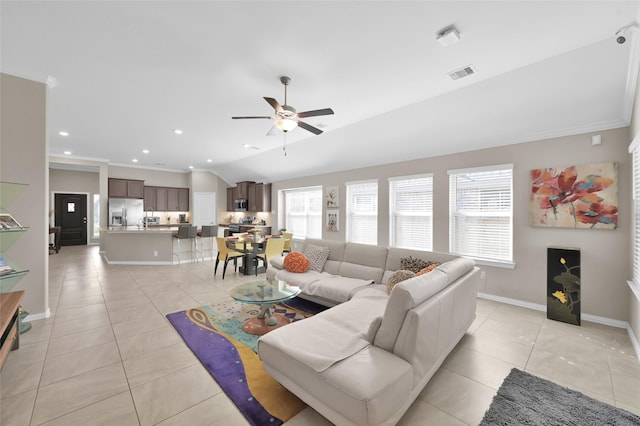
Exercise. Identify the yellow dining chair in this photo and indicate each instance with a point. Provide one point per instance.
(273, 249)
(225, 255)
(288, 237)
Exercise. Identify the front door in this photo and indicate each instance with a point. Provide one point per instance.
(71, 216)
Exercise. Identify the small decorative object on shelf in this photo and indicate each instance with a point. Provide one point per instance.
(8, 222)
(24, 326)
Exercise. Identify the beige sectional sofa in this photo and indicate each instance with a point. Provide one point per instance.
(365, 360)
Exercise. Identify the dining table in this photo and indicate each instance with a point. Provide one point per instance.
(250, 245)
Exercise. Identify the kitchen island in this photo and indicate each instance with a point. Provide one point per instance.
(140, 246)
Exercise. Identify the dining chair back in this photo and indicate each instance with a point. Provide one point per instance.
(288, 237)
(273, 249)
(225, 255)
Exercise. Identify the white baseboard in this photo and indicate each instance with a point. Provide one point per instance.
(38, 316)
(587, 317)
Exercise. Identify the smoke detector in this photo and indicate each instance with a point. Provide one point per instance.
(448, 36)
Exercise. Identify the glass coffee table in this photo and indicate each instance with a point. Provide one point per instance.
(265, 294)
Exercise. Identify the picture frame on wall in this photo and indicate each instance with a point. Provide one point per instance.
(332, 220)
(332, 197)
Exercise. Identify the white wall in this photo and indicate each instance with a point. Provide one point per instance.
(605, 262)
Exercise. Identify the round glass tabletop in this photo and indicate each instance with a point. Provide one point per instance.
(264, 292)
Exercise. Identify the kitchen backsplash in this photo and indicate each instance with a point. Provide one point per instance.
(236, 217)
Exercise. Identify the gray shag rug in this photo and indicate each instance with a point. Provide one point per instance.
(524, 399)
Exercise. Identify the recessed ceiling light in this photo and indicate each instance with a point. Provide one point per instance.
(63, 133)
(67, 153)
(191, 167)
(135, 160)
(448, 36)
(177, 131)
(145, 151)
(209, 160)
(246, 145)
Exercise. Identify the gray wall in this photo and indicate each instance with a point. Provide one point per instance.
(606, 264)
(24, 154)
(151, 177)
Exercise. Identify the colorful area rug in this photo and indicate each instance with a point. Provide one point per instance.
(214, 334)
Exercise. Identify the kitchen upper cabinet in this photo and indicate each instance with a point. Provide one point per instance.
(162, 199)
(183, 199)
(230, 199)
(162, 203)
(242, 190)
(259, 197)
(123, 188)
(150, 198)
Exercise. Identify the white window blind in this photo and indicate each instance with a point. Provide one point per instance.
(303, 212)
(481, 214)
(635, 152)
(411, 212)
(362, 212)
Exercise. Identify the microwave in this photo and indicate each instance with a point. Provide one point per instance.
(241, 205)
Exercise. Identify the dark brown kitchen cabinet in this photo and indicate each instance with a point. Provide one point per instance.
(150, 199)
(230, 199)
(163, 199)
(242, 190)
(124, 188)
(260, 197)
(183, 199)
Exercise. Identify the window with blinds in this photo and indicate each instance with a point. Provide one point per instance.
(635, 152)
(362, 212)
(411, 212)
(481, 213)
(303, 212)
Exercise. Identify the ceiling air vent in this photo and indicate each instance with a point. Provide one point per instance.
(462, 72)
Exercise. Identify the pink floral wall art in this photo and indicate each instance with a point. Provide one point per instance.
(584, 197)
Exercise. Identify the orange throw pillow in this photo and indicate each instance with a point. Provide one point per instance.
(296, 262)
(428, 269)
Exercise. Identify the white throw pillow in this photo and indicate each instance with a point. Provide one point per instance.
(317, 256)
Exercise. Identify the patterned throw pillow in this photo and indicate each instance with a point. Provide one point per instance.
(296, 262)
(429, 268)
(398, 277)
(413, 264)
(317, 256)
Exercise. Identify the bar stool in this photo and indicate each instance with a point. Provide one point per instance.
(185, 233)
(207, 231)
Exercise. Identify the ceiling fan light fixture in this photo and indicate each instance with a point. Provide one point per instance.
(285, 124)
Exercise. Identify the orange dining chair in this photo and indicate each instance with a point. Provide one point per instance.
(225, 255)
(273, 249)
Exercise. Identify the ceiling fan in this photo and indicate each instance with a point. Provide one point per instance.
(286, 118)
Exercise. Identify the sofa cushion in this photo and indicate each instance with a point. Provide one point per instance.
(406, 296)
(398, 277)
(362, 272)
(336, 248)
(330, 336)
(301, 280)
(335, 287)
(296, 262)
(365, 254)
(317, 256)
(456, 268)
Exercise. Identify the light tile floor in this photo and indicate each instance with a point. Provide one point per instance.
(107, 355)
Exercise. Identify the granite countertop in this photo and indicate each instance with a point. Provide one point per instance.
(138, 230)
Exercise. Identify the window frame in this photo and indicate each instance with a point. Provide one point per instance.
(393, 212)
(634, 282)
(454, 212)
(307, 214)
(349, 210)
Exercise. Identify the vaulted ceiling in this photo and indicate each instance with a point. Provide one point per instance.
(124, 75)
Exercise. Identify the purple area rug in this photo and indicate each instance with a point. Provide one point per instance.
(214, 334)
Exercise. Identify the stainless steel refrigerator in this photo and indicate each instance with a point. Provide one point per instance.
(125, 212)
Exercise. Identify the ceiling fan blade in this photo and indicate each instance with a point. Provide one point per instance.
(273, 131)
(274, 104)
(308, 127)
(314, 113)
(258, 116)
